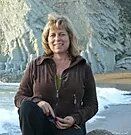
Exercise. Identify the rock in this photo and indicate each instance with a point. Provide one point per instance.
(99, 132)
(124, 63)
(102, 26)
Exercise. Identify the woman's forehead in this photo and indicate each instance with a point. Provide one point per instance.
(54, 28)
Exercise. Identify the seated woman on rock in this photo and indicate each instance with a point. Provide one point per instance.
(57, 93)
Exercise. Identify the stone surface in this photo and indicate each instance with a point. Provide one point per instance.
(99, 132)
(103, 28)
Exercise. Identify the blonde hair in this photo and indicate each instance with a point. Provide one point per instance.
(56, 21)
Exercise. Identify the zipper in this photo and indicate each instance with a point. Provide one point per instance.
(57, 90)
(57, 93)
(75, 100)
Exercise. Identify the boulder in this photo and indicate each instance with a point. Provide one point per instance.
(99, 132)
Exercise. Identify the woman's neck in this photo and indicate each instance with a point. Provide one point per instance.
(62, 62)
(60, 57)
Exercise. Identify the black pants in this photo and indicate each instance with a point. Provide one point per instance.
(34, 122)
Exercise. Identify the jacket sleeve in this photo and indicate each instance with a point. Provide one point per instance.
(90, 103)
(25, 91)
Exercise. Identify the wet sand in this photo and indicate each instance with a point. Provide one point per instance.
(117, 117)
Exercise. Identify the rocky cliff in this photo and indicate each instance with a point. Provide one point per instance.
(103, 27)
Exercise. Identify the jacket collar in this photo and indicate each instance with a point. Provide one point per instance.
(75, 60)
(42, 58)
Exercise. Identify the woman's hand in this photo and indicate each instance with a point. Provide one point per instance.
(47, 109)
(65, 123)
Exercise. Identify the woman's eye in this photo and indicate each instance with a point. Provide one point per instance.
(52, 35)
(62, 34)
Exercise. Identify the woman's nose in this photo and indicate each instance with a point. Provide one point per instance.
(57, 37)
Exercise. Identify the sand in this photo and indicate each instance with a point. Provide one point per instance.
(120, 80)
(119, 77)
(117, 117)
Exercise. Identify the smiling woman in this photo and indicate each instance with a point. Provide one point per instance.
(58, 40)
(57, 94)
(60, 22)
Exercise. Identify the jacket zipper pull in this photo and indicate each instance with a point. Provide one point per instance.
(57, 94)
(81, 103)
(75, 99)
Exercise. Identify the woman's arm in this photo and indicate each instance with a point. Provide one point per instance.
(90, 103)
(25, 91)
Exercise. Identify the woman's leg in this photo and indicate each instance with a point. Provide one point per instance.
(33, 121)
(73, 131)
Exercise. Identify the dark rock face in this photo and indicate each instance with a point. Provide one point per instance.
(126, 6)
(103, 28)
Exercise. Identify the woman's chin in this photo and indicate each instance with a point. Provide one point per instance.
(59, 52)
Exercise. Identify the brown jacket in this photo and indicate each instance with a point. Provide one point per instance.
(77, 93)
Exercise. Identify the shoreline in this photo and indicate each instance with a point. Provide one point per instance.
(123, 87)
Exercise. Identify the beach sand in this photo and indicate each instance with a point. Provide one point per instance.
(117, 117)
(120, 80)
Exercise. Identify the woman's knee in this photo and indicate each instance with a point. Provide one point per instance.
(26, 108)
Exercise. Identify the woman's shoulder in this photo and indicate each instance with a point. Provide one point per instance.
(81, 59)
(40, 59)
(80, 62)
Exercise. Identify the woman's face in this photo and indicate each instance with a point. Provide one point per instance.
(58, 40)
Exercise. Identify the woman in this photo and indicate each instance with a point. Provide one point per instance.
(57, 94)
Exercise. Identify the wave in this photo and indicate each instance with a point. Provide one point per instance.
(110, 96)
